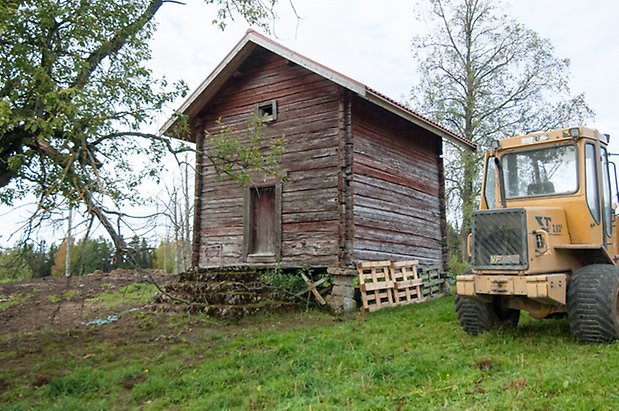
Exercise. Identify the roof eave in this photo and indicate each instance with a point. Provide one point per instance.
(224, 70)
(230, 64)
(220, 74)
(419, 120)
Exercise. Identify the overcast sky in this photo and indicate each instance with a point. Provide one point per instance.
(370, 41)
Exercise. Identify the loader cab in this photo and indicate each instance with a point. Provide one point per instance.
(566, 168)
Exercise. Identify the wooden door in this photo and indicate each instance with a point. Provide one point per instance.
(262, 220)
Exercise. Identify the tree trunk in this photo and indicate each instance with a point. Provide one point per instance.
(469, 196)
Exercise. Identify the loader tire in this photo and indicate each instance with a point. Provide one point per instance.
(476, 317)
(593, 303)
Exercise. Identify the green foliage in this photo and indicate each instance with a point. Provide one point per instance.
(7, 301)
(456, 266)
(14, 266)
(456, 263)
(133, 294)
(164, 256)
(454, 244)
(66, 296)
(485, 76)
(89, 255)
(26, 261)
(72, 75)
(75, 97)
(240, 154)
(288, 281)
(254, 12)
(308, 360)
(141, 255)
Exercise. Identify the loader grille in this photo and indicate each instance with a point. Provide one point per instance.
(500, 240)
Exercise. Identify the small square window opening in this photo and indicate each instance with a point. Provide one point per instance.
(267, 111)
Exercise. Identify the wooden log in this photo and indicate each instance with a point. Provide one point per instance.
(312, 287)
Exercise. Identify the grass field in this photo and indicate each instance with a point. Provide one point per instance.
(413, 357)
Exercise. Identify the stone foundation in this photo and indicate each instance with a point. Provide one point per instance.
(342, 297)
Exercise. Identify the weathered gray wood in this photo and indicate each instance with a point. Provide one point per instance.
(359, 182)
(307, 116)
(396, 186)
(372, 255)
(198, 200)
(427, 255)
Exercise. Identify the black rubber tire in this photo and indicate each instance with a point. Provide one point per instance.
(593, 303)
(476, 317)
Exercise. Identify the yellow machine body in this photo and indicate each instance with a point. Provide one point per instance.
(545, 211)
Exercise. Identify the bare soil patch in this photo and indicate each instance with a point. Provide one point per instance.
(62, 303)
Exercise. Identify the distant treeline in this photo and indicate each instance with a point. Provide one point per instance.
(87, 255)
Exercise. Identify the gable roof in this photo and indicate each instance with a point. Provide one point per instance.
(228, 66)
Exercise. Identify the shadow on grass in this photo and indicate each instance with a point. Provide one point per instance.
(551, 328)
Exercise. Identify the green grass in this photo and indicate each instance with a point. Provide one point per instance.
(133, 294)
(65, 296)
(413, 357)
(7, 301)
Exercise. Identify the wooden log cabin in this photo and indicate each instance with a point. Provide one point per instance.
(363, 174)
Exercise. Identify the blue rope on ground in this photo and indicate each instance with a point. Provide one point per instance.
(110, 318)
(99, 321)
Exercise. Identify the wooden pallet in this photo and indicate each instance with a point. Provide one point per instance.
(376, 285)
(387, 284)
(433, 283)
(406, 283)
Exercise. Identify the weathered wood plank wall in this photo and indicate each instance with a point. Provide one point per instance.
(308, 117)
(361, 183)
(396, 188)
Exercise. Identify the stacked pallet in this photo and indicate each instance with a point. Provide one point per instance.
(388, 284)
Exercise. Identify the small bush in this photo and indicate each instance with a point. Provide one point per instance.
(457, 266)
(279, 279)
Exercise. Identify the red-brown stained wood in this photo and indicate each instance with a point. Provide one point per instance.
(263, 223)
(397, 210)
(307, 116)
(359, 182)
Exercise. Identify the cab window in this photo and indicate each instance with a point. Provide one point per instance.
(606, 206)
(547, 171)
(490, 184)
(591, 182)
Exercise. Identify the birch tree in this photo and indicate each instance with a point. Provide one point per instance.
(178, 213)
(485, 76)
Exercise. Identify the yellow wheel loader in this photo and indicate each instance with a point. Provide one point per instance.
(545, 237)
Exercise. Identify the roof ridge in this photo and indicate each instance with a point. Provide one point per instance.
(240, 52)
